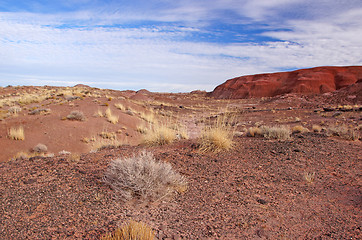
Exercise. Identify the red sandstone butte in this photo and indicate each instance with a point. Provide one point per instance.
(305, 81)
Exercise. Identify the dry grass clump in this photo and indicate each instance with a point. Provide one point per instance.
(142, 128)
(30, 98)
(344, 132)
(309, 177)
(24, 155)
(101, 143)
(4, 114)
(110, 117)
(217, 137)
(316, 128)
(253, 132)
(159, 134)
(299, 129)
(43, 111)
(76, 116)
(17, 133)
(99, 113)
(132, 231)
(148, 117)
(120, 106)
(141, 177)
(14, 109)
(276, 132)
(108, 135)
(182, 133)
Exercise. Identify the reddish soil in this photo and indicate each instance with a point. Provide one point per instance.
(305, 81)
(257, 190)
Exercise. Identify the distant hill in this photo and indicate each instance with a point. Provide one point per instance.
(305, 81)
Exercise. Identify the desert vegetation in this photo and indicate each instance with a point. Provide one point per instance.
(131, 231)
(309, 177)
(344, 132)
(76, 116)
(142, 177)
(105, 142)
(159, 134)
(276, 132)
(235, 170)
(17, 133)
(316, 128)
(218, 136)
(110, 117)
(299, 129)
(273, 132)
(40, 148)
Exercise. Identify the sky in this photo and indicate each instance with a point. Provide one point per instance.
(169, 45)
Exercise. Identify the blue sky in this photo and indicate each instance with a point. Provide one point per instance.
(171, 46)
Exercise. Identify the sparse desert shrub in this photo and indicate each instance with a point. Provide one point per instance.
(142, 129)
(64, 152)
(120, 106)
(99, 113)
(254, 131)
(108, 135)
(309, 177)
(276, 132)
(101, 143)
(297, 119)
(343, 132)
(108, 112)
(141, 177)
(21, 156)
(110, 117)
(182, 133)
(44, 111)
(299, 129)
(14, 109)
(148, 117)
(76, 115)
(17, 133)
(316, 128)
(218, 137)
(132, 231)
(113, 119)
(40, 148)
(74, 157)
(26, 155)
(159, 134)
(71, 97)
(4, 114)
(130, 111)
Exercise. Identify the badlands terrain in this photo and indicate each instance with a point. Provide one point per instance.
(285, 164)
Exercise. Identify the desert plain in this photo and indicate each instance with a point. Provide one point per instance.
(284, 164)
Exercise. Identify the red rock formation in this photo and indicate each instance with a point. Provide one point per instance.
(304, 81)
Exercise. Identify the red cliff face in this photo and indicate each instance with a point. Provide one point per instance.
(304, 81)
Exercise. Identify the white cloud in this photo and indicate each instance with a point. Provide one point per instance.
(40, 49)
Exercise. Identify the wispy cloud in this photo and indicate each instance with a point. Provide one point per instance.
(173, 46)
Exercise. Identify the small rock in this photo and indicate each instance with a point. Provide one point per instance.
(177, 237)
(328, 109)
(336, 114)
(261, 201)
(162, 228)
